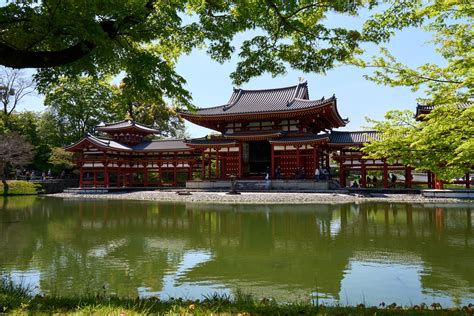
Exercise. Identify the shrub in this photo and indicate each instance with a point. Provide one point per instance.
(17, 187)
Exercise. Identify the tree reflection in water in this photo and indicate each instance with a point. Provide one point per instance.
(344, 252)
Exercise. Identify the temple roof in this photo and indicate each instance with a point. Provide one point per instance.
(267, 100)
(155, 145)
(425, 109)
(309, 138)
(162, 145)
(355, 137)
(124, 125)
(205, 141)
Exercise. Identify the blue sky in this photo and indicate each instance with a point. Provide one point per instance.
(210, 85)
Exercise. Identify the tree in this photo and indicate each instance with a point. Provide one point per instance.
(79, 104)
(61, 160)
(14, 86)
(15, 151)
(442, 142)
(142, 39)
(450, 22)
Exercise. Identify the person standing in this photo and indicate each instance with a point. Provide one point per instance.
(317, 174)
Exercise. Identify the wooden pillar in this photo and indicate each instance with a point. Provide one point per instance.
(218, 165)
(106, 174)
(315, 158)
(408, 177)
(81, 175)
(385, 174)
(468, 181)
(209, 165)
(175, 176)
(297, 156)
(430, 186)
(203, 166)
(145, 174)
(160, 174)
(241, 157)
(94, 183)
(342, 176)
(363, 174)
(119, 174)
(272, 161)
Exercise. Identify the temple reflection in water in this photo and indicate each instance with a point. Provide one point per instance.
(342, 252)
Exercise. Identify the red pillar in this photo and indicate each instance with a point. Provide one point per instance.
(240, 160)
(106, 174)
(175, 181)
(81, 175)
(363, 175)
(145, 174)
(203, 166)
(118, 175)
(385, 174)
(342, 176)
(160, 175)
(408, 177)
(218, 165)
(272, 170)
(297, 156)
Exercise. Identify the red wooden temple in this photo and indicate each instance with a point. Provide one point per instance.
(276, 131)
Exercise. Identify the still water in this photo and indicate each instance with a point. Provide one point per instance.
(342, 253)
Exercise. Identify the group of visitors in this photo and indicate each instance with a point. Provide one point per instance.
(300, 173)
(322, 174)
(29, 175)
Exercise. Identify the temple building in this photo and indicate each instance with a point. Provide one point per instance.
(280, 132)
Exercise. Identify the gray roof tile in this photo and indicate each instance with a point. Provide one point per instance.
(356, 137)
(124, 125)
(268, 100)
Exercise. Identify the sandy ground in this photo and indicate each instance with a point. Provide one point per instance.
(260, 197)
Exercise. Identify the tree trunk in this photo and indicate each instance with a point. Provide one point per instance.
(5, 184)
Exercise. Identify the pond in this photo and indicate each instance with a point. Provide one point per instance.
(332, 253)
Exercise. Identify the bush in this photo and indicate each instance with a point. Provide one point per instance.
(17, 187)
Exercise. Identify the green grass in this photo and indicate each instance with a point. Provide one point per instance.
(15, 299)
(18, 187)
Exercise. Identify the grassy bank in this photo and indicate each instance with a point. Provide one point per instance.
(18, 187)
(16, 300)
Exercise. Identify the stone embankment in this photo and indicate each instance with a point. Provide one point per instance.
(259, 197)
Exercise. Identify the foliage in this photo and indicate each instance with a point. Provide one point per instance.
(15, 299)
(14, 86)
(450, 22)
(79, 104)
(61, 159)
(18, 187)
(15, 151)
(443, 142)
(142, 39)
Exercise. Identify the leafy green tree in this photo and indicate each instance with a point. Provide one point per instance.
(79, 104)
(142, 39)
(450, 22)
(442, 142)
(61, 160)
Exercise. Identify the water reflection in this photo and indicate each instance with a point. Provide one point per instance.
(350, 253)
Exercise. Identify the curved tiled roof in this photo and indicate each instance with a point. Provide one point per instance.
(425, 109)
(126, 124)
(301, 139)
(355, 137)
(204, 141)
(162, 145)
(267, 100)
(100, 142)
